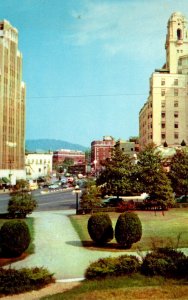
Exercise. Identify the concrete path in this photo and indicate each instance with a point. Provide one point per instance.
(58, 248)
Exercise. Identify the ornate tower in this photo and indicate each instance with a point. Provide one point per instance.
(176, 41)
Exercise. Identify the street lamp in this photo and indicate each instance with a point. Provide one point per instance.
(77, 191)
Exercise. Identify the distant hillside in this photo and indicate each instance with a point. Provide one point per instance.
(40, 145)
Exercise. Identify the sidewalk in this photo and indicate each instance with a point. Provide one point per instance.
(58, 248)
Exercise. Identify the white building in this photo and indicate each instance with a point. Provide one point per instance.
(164, 117)
(38, 165)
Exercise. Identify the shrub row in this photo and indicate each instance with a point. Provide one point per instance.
(17, 281)
(128, 229)
(118, 266)
(165, 262)
(14, 238)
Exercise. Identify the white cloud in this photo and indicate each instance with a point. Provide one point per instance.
(124, 27)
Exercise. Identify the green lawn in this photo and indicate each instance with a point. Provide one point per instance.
(126, 287)
(170, 229)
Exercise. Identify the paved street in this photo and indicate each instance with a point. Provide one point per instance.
(57, 247)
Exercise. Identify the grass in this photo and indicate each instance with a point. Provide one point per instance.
(170, 229)
(30, 222)
(127, 287)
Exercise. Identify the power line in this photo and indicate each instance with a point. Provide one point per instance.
(84, 96)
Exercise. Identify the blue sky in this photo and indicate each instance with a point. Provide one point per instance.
(87, 63)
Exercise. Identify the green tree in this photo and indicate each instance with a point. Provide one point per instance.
(91, 196)
(115, 178)
(179, 172)
(21, 204)
(151, 176)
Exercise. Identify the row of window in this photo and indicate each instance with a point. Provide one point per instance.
(176, 135)
(163, 81)
(37, 161)
(163, 125)
(163, 114)
(163, 104)
(163, 92)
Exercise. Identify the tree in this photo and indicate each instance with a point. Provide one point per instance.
(128, 229)
(179, 172)
(14, 238)
(21, 204)
(100, 228)
(152, 177)
(115, 177)
(91, 196)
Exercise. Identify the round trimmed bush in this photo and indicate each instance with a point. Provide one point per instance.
(14, 238)
(128, 229)
(100, 228)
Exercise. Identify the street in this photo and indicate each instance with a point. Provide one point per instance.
(58, 200)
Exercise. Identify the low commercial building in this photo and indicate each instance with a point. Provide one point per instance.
(38, 165)
(78, 157)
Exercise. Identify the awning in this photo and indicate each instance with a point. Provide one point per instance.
(5, 180)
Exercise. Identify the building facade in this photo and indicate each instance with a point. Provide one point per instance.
(100, 151)
(164, 117)
(12, 105)
(38, 165)
(78, 157)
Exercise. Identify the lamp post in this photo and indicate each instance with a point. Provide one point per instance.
(77, 191)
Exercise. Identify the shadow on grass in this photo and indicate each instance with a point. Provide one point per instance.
(90, 245)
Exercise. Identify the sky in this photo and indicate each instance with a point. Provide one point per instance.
(87, 63)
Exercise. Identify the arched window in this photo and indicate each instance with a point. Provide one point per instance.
(179, 34)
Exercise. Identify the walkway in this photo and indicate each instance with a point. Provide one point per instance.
(58, 248)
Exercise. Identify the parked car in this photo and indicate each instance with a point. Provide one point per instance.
(53, 186)
(112, 202)
(182, 199)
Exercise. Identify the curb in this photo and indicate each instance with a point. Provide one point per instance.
(70, 280)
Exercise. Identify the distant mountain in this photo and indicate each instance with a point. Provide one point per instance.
(40, 145)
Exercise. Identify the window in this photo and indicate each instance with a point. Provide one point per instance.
(163, 114)
(175, 103)
(176, 114)
(163, 125)
(175, 81)
(175, 92)
(176, 125)
(163, 136)
(163, 104)
(162, 92)
(179, 34)
(162, 81)
(176, 135)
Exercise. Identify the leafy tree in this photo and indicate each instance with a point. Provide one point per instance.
(179, 172)
(91, 196)
(67, 162)
(21, 204)
(151, 176)
(100, 228)
(128, 229)
(115, 178)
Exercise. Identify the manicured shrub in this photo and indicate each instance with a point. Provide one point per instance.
(14, 238)
(128, 229)
(18, 281)
(165, 262)
(100, 228)
(118, 266)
